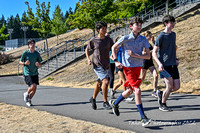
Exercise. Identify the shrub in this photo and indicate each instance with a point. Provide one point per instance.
(49, 78)
(4, 58)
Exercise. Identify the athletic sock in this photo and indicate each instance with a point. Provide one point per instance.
(118, 100)
(140, 108)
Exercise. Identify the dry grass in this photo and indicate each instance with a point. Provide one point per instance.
(188, 42)
(16, 119)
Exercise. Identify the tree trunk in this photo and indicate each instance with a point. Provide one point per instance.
(93, 32)
(47, 46)
(57, 39)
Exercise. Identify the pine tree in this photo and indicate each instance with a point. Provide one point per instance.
(58, 23)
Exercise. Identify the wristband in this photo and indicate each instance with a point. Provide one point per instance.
(115, 60)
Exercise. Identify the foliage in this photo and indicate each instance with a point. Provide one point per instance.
(89, 12)
(58, 23)
(2, 35)
(40, 21)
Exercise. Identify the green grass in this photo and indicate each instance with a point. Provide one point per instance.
(179, 31)
(49, 78)
(146, 82)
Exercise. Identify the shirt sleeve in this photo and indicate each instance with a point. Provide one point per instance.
(120, 41)
(39, 58)
(158, 41)
(90, 44)
(22, 59)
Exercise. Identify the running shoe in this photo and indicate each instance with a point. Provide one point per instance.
(154, 94)
(115, 109)
(129, 99)
(93, 103)
(112, 94)
(106, 106)
(145, 121)
(28, 103)
(26, 96)
(165, 108)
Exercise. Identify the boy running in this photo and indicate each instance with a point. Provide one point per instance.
(31, 60)
(165, 46)
(148, 64)
(132, 61)
(101, 45)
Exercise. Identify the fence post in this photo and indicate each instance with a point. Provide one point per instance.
(74, 51)
(56, 60)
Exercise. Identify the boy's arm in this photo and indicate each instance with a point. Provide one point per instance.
(114, 53)
(22, 62)
(146, 55)
(87, 56)
(111, 56)
(155, 57)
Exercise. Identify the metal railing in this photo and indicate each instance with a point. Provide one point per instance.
(150, 15)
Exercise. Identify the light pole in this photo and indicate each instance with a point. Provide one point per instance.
(10, 35)
(24, 28)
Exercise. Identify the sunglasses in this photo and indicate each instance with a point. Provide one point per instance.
(32, 43)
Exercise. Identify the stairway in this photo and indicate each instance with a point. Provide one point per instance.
(64, 57)
(59, 62)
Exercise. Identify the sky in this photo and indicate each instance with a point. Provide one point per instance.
(14, 7)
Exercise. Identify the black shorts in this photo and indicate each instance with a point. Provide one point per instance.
(172, 71)
(147, 64)
(117, 70)
(31, 80)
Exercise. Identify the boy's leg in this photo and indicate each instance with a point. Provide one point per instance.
(176, 85)
(155, 77)
(32, 90)
(169, 87)
(97, 89)
(105, 93)
(105, 89)
(143, 73)
(122, 77)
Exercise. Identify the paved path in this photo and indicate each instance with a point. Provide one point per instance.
(73, 102)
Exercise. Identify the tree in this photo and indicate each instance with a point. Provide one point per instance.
(58, 23)
(17, 32)
(88, 13)
(40, 21)
(3, 21)
(30, 33)
(3, 36)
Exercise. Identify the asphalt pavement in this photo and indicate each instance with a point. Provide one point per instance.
(74, 103)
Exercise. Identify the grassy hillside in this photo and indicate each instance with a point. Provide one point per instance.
(187, 29)
(79, 74)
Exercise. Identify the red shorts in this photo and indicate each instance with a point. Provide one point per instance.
(132, 77)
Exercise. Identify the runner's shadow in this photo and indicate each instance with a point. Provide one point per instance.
(63, 104)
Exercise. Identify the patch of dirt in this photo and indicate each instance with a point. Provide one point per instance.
(21, 119)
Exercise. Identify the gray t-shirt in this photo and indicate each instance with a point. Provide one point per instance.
(129, 42)
(167, 48)
(101, 48)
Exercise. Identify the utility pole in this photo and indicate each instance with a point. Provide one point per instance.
(10, 35)
(24, 28)
(167, 7)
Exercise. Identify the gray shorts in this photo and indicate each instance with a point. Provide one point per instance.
(101, 73)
